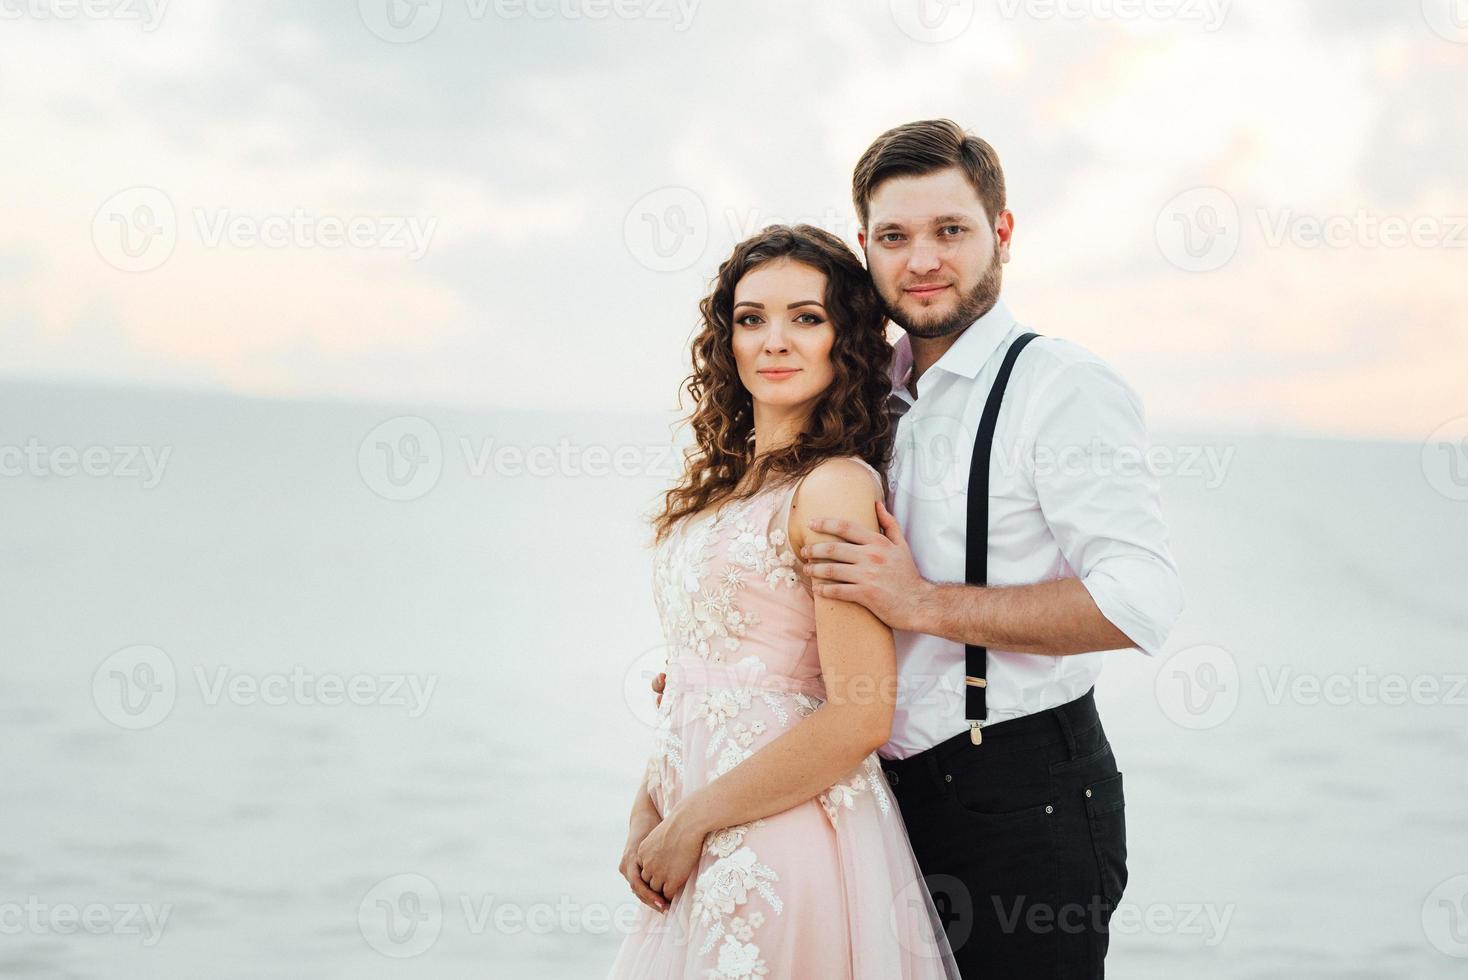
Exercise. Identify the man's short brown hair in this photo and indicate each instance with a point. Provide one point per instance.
(918, 148)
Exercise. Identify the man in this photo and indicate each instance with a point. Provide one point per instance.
(1006, 781)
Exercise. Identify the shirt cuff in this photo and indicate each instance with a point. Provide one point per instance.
(1146, 625)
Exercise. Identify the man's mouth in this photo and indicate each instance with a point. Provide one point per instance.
(926, 290)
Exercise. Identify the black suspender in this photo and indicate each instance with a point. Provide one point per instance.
(976, 538)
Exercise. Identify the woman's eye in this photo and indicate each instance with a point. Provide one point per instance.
(809, 318)
(748, 320)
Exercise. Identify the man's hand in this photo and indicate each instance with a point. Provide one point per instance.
(875, 570)
(658, 683)
(642, 822)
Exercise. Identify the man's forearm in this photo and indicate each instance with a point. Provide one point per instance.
(1053, 618)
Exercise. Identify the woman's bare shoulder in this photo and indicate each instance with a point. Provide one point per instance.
(843, 488)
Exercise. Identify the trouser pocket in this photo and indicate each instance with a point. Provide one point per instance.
(1106, 813)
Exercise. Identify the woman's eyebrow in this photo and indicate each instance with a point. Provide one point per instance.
(791, 306)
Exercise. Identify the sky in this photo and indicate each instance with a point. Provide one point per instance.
(1258, 211)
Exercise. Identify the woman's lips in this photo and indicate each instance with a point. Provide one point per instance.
(778, 374)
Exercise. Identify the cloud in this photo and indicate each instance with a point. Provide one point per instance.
(526, 142)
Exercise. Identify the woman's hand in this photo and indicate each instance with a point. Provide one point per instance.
(669, 854)
(644, 818)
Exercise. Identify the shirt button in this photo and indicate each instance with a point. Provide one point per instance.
(891, 777)
(948, 777)
(1049, 808)
(1088, 794)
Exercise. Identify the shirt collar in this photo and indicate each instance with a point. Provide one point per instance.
(968, 355)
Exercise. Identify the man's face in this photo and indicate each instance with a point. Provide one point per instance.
(934, 255)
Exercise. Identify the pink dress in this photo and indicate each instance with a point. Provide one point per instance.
(827, 890)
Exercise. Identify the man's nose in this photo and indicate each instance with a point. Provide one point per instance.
(922, 259)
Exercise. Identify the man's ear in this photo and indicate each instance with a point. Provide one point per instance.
(1004, 233)
(861, 238)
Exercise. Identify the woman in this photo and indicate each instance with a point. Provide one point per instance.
(764, 840)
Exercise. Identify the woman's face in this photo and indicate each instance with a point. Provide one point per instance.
(783, 334)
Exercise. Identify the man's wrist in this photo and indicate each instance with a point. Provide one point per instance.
(930, 609)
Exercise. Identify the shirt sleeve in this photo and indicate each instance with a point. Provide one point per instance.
(1102, 501)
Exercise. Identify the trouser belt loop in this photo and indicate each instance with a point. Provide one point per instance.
(1067, 728)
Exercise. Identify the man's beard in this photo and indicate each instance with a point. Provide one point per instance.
(974, 304)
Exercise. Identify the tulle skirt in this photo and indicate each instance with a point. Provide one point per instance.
(827, 890)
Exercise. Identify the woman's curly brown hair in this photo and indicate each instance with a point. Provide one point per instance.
(850, 417)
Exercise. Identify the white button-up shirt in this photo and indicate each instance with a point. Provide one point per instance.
(1070, 495)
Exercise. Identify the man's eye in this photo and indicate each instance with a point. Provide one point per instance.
(890, 236)
(953, 229)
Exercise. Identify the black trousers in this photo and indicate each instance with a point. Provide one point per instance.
(1022, 841)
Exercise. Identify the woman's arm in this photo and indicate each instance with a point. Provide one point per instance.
(858, 665)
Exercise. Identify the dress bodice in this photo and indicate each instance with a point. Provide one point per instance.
(731, 596)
